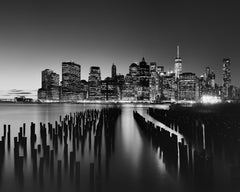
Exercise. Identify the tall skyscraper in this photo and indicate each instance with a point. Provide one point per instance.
(188, 87)
(71, 86)
(143, 92)
(50, 86)
(154, 82)
(114, 71)
(49, 79)
(226, 77)
(178, 65)
(133, 69)
(94, 83)
(71, 76)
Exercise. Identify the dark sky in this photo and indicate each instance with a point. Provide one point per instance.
(35, 35)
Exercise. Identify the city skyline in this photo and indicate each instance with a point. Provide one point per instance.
(39, 35)
(33, 93)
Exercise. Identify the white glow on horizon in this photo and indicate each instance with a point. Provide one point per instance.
(209, 99)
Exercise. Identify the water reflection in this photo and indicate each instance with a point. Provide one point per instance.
(84, 147)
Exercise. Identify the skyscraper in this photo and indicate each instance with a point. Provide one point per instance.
(143, 92)
(178, 65)
(71, 76)
(50, 86)
(49, 79)
(188, 87)
(94, 83)
(114, 71)
(154, 82)
(226, 77)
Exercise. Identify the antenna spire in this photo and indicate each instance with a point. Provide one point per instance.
(178, 51)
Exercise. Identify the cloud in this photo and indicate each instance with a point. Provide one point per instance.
(11, 94)
(20, 93)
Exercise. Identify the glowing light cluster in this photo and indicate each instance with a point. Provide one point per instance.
(209, 99)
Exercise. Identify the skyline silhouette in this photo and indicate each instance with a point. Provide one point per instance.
(41, 35)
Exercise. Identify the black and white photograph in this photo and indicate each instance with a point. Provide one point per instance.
(119, 96)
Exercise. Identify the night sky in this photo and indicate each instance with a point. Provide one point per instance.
(35, 35)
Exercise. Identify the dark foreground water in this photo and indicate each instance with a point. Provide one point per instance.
(133, 165)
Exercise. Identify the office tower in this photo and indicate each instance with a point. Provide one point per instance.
(49, 79)
(160, 70)
(188, 87)
(71, 76)
(143, 90)
(109, 89)
(178, 65)
(154, 83)
(226, 77)
(129, 88)
(50, 86)
(120, 84)
(168, 87)
(94, 83)
(133, 69)
(114, 71)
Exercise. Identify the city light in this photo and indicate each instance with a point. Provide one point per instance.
(209, 99)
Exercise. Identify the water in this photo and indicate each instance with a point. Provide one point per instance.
(133, 166)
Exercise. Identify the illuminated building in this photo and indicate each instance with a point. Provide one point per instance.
(160, 70)
(94, 83)
(207, 84)
(109, 89)
(114, 71)
(128, 91)
(226, 77)
(168, 87)
(50, 86)
(188, 88)
(155, 82)
(143, 90)
(71, 76)
(178, 65)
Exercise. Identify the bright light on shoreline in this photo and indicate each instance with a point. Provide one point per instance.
(209, 99)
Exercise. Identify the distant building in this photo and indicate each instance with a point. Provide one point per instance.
(226, 77)
(207, 84)
(143, 90)
(50, 86)
(23, 99)
(109, 89)
(188, 89)
(71, 87)
(178, 65)
(94, 84)
(120, 83)
(133, 69)
(114, 71)
(129, 88)
(160, 70)
(168, 87)
(155, 82)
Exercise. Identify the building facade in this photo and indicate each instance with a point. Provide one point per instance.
(71, 77)
(50, 86)
(178, 65)
(226, 78)
(188, 89)
(94, 84)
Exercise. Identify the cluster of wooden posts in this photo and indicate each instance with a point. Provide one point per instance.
(70, 133)
(181, 158)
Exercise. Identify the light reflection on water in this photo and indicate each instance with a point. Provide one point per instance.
(134, 165)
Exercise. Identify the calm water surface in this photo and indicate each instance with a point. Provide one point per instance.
(133, 166)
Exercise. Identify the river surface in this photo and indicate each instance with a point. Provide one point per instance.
(134, 165)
